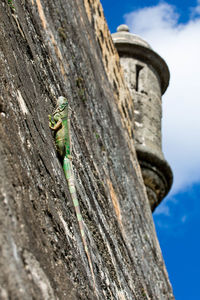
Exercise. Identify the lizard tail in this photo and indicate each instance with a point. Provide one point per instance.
(68, 170)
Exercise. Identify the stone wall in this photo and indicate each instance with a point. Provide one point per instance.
(47, 49)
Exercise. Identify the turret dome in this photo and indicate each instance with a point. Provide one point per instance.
(123, 35)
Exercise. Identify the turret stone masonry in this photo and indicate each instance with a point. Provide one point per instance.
(147, 77)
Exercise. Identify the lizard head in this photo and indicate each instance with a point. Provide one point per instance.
(62, 103)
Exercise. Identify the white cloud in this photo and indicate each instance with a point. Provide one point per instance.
(196, 10)
(163, 209)
(179, 45)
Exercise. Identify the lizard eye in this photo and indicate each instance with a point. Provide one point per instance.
(62, 106)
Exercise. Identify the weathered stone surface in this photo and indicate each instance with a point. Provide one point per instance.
(48, 49)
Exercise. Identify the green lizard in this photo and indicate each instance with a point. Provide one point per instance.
(60, 124)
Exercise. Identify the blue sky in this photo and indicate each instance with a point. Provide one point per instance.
(172, 28)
